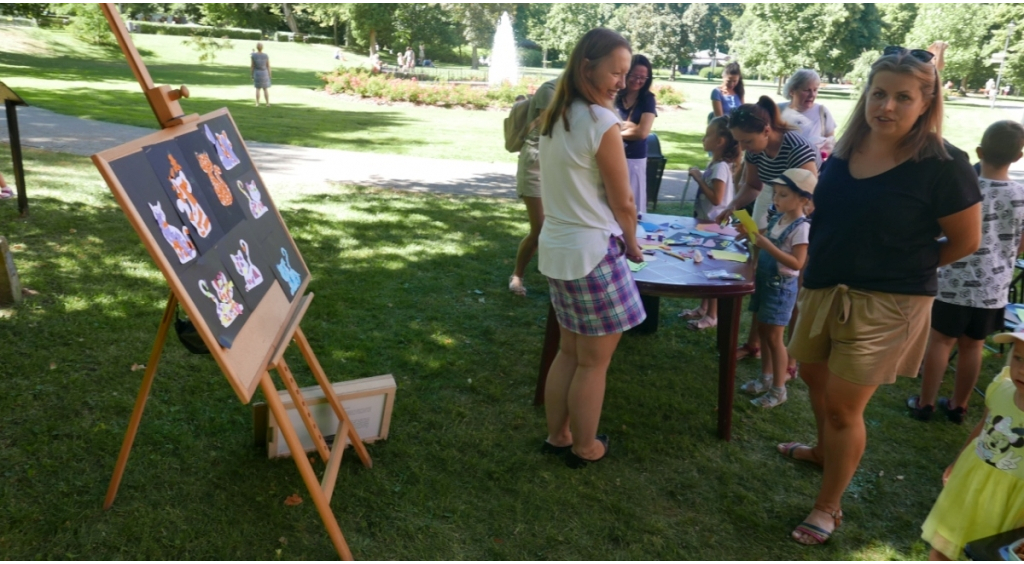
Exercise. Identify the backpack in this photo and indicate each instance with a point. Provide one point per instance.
(517, 125)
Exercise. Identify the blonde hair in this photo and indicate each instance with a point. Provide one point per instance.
(924, 140)
(594, 46)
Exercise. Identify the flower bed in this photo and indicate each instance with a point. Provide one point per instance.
(668, 96)
(386, 86)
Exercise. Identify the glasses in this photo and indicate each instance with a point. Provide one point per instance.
(636, 78)
(919, 54)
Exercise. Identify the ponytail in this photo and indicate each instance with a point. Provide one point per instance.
(753, 118)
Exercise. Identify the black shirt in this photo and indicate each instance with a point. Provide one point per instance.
(645, 104)
(878, 233)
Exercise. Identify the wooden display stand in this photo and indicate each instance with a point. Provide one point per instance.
(248, 355)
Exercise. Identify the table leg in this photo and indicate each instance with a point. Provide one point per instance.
(729, 310)
(552, 338)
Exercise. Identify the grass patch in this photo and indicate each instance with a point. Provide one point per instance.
(396, 277)
(52, 70)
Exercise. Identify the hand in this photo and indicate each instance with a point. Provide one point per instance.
(945, 475)
(725, 215)
(694, 171)
(635, 253)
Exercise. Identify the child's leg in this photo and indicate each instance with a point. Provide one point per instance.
(775, 346)
(711, 307)
(767, 366)
(935, 555)
(968, 367)
(936, 359)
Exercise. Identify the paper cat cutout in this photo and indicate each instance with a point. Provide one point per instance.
(245, 267)
(289, 273)
(177, 238)
(219, 186)
(252, 193)
(187, 203)
(224, 300)
(225, 151)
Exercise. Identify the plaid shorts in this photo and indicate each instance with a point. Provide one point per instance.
(603, 302)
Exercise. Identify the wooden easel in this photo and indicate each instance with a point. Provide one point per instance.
(164, 103)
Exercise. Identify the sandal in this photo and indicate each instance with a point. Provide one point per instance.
(515, 285)
(6, 193)
(791, 370)
(918, 411)
(574, 461)
(816, 533)
(695, 313)
(789, 451)
(757, 387)
(954, 414)
(705, 322)
(770, 399)
(748, 351)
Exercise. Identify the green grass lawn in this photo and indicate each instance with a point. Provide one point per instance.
(53, 71)
(412, 285)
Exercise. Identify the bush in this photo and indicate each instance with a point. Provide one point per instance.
(530, 57)
(90, 25)
(709, 72)
(361, 82)
(188, 30)
(668, 96)
(302, 38)
(16, 21)
(53, 22)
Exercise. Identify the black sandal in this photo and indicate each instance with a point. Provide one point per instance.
(573, 460)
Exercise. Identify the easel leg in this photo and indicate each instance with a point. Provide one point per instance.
(308, 476)
(300, 405)
(140, 401)
(325, 384)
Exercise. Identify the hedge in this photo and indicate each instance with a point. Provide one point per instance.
(16, 21)
(708, 71)
(303, 38)
(153, 28)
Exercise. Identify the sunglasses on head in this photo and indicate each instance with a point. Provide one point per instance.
(919, 54)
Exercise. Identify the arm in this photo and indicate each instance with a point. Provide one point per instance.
(252, 68)
(793, 261)
(716, 106)
(811, 166)
(750, 187)
(714, 193)
(963, 234)
(611, 163)
(269, 72)
(634, 131)
(970, 439)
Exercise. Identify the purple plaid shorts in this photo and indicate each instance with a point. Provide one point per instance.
(603, 302)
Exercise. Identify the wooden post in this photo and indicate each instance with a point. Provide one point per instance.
(10, 287)
(19, 169)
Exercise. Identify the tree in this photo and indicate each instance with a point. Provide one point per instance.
(1013, 71)
(965, 27)
(656, 30)
(479, 22)
(330, 15)
(289, 18)
(897, 21)
(89, 23)
(373, 24)
(566, 24)
(265, 17)
(429, 24)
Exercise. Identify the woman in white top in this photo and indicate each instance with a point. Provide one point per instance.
(813, 120)
(589, 229)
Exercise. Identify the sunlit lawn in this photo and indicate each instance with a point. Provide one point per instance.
(412, 285)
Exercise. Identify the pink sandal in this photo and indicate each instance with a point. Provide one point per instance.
(6, 193)
(748, 351)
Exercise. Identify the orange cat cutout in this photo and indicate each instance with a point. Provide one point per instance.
(187, 203)
(214, 172)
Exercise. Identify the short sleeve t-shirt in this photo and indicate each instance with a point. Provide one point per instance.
(799, 236)
(706, 211)
(879, 233)
(795, 152)
(982, 280)
(729, 101)
(1000, 442)
(645, 104)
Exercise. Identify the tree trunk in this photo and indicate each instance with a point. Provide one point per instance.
(373, 41)
(334, 22)
(778, 90)
(544, 57)
(475, 64)
(349, 40)
(675, 64)
(289, 17)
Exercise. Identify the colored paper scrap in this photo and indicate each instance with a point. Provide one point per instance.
(715, 228)
(636, 266)
(722, 275)
(748, 223)
(729, 255)
(700, 233)
(649, 227)
(661, 246)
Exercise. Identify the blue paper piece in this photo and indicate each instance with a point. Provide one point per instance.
(703, 233)
(649, 227)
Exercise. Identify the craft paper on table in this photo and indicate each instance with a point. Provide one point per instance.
(225, 147)
(729, 255)
(649, 227)
(179, 183)
(748, 223)
(700, 233)
(225, 206)
(158, 214)
(636, 266)
(286, 262)
(722, 275)
(716, 228)
(242, 254)
(218, 299)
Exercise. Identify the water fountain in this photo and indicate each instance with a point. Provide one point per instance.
(504, 65)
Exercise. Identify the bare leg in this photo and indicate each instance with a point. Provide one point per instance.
(844, 441)
(711, 308)
(935, 555)
(792, 326)
(586, 394)
(528, 246)
(772, 338)
(815, 375)
(266, 96)
(752, 338)
(767, 367)
(968, 367)
(257, 97)
(936, 359)
(556, 389)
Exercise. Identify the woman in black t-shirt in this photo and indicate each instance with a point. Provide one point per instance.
(891, 187)
(637, 108)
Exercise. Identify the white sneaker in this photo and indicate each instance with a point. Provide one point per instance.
(770, 399)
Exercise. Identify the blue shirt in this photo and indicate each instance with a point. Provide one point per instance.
(729, 101)
(636, 149)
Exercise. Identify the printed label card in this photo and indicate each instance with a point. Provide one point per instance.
(178, 181)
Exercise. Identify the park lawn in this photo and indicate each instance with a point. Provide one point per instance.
(54, 71)
(411, 285)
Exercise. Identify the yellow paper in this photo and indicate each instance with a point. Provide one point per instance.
(748, 223)
(729, 255)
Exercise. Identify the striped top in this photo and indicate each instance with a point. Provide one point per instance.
(794, 153)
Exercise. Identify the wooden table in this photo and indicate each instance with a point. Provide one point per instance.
(670, 277)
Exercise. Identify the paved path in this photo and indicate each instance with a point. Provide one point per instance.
(47, 130)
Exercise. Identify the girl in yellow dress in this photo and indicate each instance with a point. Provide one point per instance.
(984, 487)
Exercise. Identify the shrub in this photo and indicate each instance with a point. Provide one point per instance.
(709, 72)
(530, 57)
(668, 96)
(16, 21)
(153, 28)
(90, 25)
(360, 82)
(53, 22)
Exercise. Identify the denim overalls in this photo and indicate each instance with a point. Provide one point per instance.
(774, 294)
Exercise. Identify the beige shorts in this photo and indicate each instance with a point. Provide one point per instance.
(867, 338)
(528, 173)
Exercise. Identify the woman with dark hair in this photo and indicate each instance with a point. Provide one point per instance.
(637, 108)
(589, 230)
(729, 95)
(770, 148)
(889, 190)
